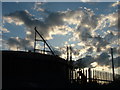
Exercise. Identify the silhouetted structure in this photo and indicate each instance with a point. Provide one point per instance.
(83, 77)
(44, 41)
(112, 64)
(33, 70)
(70, 63)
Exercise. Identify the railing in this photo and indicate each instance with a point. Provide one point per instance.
(91, 75)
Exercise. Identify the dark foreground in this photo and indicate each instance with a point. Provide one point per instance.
(28, 70)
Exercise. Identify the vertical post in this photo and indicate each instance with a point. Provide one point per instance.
(72, 74)
(112, 65)
(83, 71)
(68, 69)
(44, 48)
(103, 77)
(106, 75)
(110, 76)
(17, 48)
(67, 53)
(93, 74)
(35, 42)
(75, 75)
(70, 53)
(100, 75)
(71, 63)
(89, 73)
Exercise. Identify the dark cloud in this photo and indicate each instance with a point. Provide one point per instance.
(100, 42)
(84, 62)
(90, 49)
(84, 33)
(117, 62)
(18, 43)
(44, 27)
(88, 23)
(57, 52)
(104, 59)
(55, 19)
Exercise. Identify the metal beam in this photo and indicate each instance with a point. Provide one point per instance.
(45, 41)
(113, 65)
(35, 42)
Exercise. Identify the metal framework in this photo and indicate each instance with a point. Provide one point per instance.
(43, 40)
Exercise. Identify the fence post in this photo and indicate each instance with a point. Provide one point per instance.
(93, 75)
(89, 75)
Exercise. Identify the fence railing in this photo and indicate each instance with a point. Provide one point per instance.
(91, 75)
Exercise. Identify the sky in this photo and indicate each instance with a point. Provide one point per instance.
(91, 28)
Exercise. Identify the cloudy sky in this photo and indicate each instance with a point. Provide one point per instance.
(91, 28)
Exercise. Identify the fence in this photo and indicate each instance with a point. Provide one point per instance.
(91, 75)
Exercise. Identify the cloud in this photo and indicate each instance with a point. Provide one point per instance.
(57, 51)
(117, 62)
(18, 43)
(60, 51)
(53, 24)
(10, 19)
(85, 26)
(38, 6)
(55, 19)
(3, 45)
(110, 19)
(84, 33)
(112, 39)
(99, 42)
(104, 59)
(5, 30)
(104, 32)
(84, 62)
(85, 21)
(115, 4)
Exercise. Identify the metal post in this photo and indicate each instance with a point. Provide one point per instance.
(106, 75)
(67, 53)
(75, 75)
(89, 73)
(70, 53)
(44, 48)
(35, 42)
(44, 41)
(92, 74)
(71, 63)
(112, 65)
